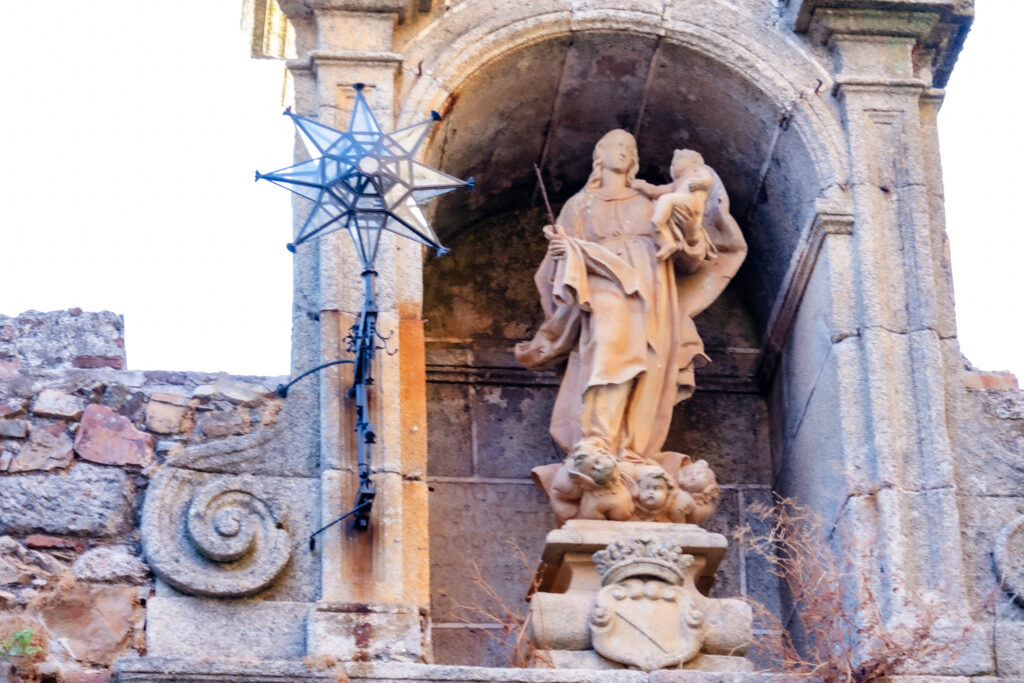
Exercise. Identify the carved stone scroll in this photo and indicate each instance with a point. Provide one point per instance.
(213, 535)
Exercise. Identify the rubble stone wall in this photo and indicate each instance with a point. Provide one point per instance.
(80, 437)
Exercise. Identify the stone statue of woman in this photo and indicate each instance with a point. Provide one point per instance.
(619, 292)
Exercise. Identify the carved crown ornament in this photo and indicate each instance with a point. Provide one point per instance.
(642, 557)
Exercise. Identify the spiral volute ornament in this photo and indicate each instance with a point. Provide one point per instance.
(213, 536)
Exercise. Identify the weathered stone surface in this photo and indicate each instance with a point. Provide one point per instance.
(70, 676)
(172, 399)
(53, 403)
(393, 671)
(471, 532)
(87, 500)
(370, 633)
(728, 430)
(1004, 404)
(20, 566)
(236, 391)
(461, 644)
(12, 407)
(14, 429)
(974, 379)
(93, 622)
(125, 400)
(110, 439)
(220, 424)
(1009, 639)
(200, 627)
(230, 536)
(449, 432)
(56, 339)
(578, 659)
(723, 520)
(48, 448)
(91, 362)
(110, 565)
(165, 417)
(9, 369)
(153, 669)
(511, 433)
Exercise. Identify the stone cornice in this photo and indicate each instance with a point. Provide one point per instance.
(385, 6)
(804, 9)
(938, 25)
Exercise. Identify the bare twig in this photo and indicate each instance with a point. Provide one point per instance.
(844, 636)
(514, 623)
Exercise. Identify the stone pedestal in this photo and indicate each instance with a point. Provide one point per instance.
(634, 595)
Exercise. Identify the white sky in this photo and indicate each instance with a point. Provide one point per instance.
(131, 130)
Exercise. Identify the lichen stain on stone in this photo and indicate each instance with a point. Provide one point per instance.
(484, 288)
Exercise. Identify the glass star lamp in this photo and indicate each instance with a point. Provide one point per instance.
(365, 181)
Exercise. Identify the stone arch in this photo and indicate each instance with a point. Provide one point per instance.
(442, 56)
(799, 159)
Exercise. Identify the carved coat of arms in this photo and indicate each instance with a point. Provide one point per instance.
(643, 615)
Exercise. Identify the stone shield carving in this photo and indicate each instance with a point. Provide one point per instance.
(647, 624)
(212, 535)
(644, 616)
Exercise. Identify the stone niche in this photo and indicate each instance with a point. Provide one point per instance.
(488, 417)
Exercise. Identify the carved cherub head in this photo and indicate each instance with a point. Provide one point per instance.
(653, 488)
(683, 159)
(698, 477)
(595, 463)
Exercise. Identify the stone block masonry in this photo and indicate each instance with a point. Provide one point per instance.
(80, 438)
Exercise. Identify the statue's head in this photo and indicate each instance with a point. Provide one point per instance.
(683, 159)
(616, 150)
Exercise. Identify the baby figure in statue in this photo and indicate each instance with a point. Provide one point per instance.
(590, 485)
(698, 480)
(685, 197)
(658, 499)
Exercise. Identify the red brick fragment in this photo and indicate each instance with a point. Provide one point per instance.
(88, 362)
(38, 541)
(974, 379)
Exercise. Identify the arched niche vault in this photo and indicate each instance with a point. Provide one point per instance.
(548, 100)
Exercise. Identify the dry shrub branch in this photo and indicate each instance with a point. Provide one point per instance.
(513, 632)
(837, 630)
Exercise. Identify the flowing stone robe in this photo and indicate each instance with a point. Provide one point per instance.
(620, 316)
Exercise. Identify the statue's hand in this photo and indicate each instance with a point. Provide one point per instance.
(557, 242)
(644, 187)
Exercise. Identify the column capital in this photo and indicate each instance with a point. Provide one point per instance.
(937, 26)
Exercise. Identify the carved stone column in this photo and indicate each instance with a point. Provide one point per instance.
(375, 581)
(901, 513)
